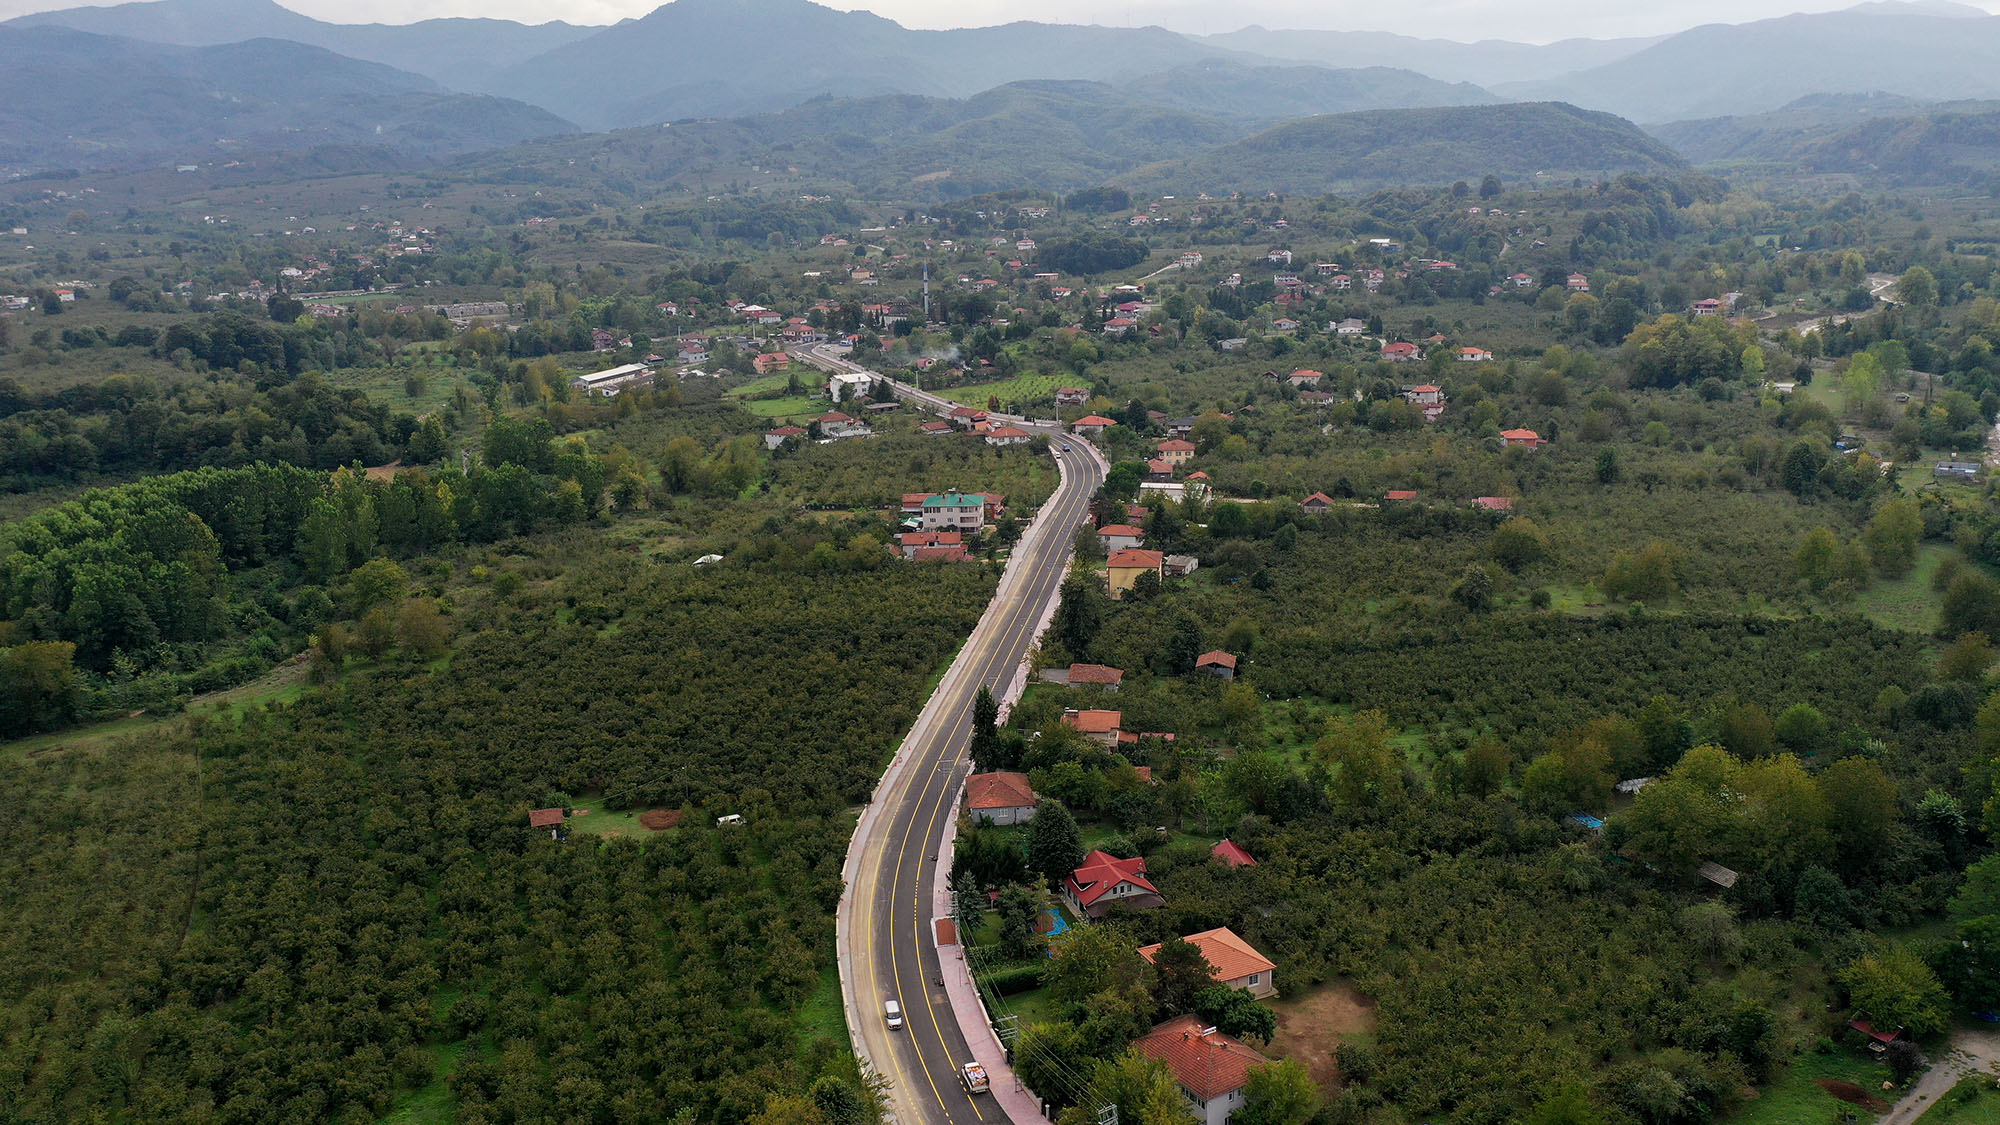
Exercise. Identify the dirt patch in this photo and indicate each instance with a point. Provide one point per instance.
(1313, 1026)
(384, 472)
(659, 820)
(1849, 1092)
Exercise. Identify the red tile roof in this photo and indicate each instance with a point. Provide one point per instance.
(785, 431)
(1176, 445)
(1520, 435)
(1136, 556)
(1094, 420)
(1125, 529)
(1206, 1063)
(1000, 790)
(1400, 494)
(1094, 674)
(929, 539)
(546, 818)
(1494, 503)
(1230, 956)
(1095, 722)
(1009, 432)
(941, 554)
(1319, 496)
(1102, 871)
(1217, 658)
(1231, 853)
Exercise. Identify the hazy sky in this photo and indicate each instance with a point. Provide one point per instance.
(1534, 21)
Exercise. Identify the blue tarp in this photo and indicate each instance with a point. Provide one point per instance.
(1587, 820)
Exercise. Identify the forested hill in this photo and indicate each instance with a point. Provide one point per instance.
(77, 99)
(1877, 135)
(1402, 146)
(1054, 135)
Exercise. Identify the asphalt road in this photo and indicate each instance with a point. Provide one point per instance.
(890, 951)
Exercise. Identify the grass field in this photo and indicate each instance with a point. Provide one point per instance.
(1021, 388)
(280, 685)
(775, 408)
(1908, 603)
(822, 1016)
(1796, 1099)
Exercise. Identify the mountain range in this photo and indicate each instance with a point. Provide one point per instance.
(77, 99)
(174, 81)
(1880, 135)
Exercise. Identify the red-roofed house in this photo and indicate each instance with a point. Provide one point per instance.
(771, 361)
(1099, 725)
(1072, 396)
(913, 503)
(1159, 469)
(1211, 1068)
(1105, 881)
(913, 541)
(1001, 797)
(1007, 435)
(1424, 394)
(1402, 351)
(1096, 675)
(1305, 377)
(966, 417)
(1316, 504)
(1216, 663)
(1232, 854)
(1474, 355)
(551, 819)
(1578, 283)
(1175, 451)
(1529, 438)
(1494, 503)
(934, 429)
(1236, 963)
(1399, 496)
(941, 554)
(1119, 536)
(1091, 424)
(775, 438)
(1124, 567)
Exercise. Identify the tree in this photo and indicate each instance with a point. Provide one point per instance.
(1235, 1012)
(1055, 846)
(1918, 286)
(1801, 728)
(1570, 1105)
(1892, 535)
(1489, 186)
(423, 628)
(1278, 1093)
(1078, 615)
(1518, 542)
(1971, 605)
(1018, 907)
(1862, 808)
(1745, 730)
(1090, 959)
(1486, 763)
(985, 735)
(1366, 770)
(1817, 560)
(37, 686)
(1180, 973)
(1474, 590)
(1143, 1090)
(1895, 989)
(1966, 659)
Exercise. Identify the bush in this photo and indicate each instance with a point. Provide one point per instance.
(1010, 982)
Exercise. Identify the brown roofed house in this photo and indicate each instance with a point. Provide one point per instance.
(1002, 797)
(1096, 675)
(1211, 1068)
(1216, 663)
(1235, 961)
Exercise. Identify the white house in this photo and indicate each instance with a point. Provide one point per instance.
(1001, 797)
(954, 511)
(1210, 1068)
(614, 379)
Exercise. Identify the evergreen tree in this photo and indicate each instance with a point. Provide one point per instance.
(1055, 845)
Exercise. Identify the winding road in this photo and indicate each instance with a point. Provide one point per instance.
(887, 922)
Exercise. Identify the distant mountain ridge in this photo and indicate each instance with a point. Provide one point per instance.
(1917, 51)
(1879, 135)
(80, 100)
(1400, 146)
(456, 53)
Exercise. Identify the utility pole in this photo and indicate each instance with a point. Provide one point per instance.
(927, 292)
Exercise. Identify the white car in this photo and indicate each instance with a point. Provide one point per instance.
(893, 1012)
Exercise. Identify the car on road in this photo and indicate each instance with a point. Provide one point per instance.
(1065, 447)
(893, 1013)
(974, 1077)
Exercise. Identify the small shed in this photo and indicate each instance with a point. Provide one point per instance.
(1216, 663)
(551, 819)
(1716, 875)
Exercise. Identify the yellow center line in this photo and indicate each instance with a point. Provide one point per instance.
(944, 770)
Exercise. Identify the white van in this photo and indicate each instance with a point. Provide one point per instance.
(894, 1012)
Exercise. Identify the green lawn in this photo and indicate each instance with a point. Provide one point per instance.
(1796, 1099)
(1021, 388)
(1908, 603)
(822, 1016)
(433, 1103)
(800, 407)
(1974, 1101)
(1029, 1008)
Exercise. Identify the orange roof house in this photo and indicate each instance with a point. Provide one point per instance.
(1211, 1068)
(1232, 854)
(1236, 962)
(1002, 797)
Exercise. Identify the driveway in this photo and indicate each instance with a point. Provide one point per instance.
(1966, 1052)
